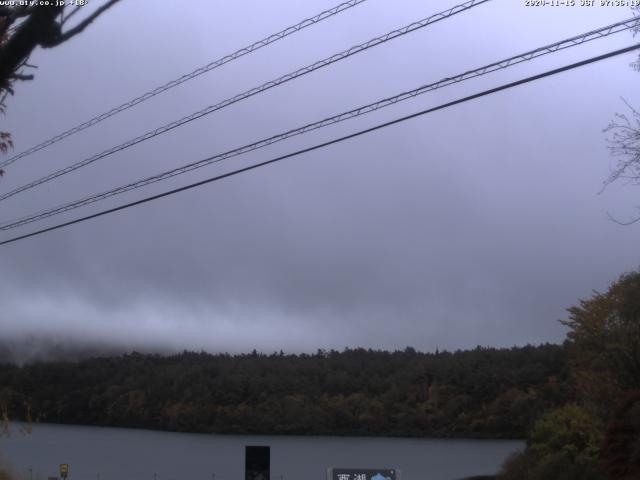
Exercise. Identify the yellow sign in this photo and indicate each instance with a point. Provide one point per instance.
(64, 470)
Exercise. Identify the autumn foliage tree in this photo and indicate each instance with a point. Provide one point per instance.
(598, 435)
(604, 343)
(621, 446)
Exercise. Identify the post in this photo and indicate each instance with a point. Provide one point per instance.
(257, 462)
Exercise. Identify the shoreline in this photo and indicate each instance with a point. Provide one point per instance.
(271, 434)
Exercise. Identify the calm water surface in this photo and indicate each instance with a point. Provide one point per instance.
(114, 453)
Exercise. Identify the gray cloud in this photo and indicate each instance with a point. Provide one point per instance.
(479, 224)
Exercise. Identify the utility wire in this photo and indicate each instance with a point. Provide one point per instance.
(249, 93)
(331, 142)
(502, 64)
(184, 78)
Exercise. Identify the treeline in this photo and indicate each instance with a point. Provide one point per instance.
(484, 393)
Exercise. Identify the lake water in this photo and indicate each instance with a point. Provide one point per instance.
(116, 453)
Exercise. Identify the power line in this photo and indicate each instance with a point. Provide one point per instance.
(254, 91)
(502, 64)
(184, 78)
(331, 142)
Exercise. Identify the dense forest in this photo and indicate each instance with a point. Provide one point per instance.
(485, 392)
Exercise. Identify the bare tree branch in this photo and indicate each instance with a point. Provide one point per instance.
(24, 28)
(21, 76)
(73, 12)
(619, 222)
(624, 142)
(39, 26)
(63, 37)
(14, 13)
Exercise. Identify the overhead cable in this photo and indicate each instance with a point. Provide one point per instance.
(184, 78)
(249, 93)
(499, 65)
(330, 142)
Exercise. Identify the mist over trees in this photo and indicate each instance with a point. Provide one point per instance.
(578, 404)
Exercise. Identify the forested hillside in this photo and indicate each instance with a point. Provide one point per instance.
(484, 392)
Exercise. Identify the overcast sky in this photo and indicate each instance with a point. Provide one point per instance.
(478, 224)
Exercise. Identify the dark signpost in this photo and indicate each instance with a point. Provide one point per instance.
(363, 474)
(257, 463)
(64, 470)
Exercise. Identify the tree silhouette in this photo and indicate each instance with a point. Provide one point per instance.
(23, 28)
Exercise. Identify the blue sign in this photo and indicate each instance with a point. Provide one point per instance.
(363, 474)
